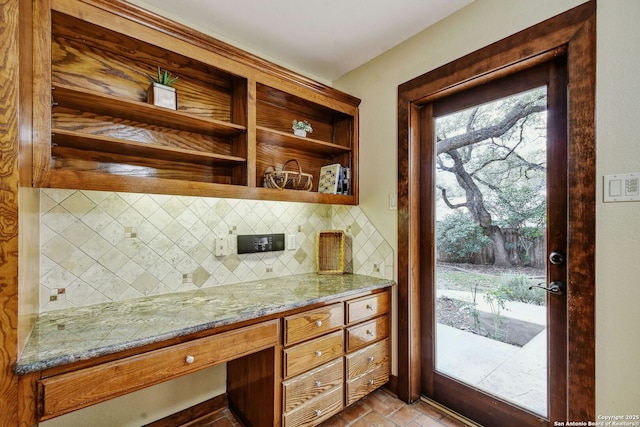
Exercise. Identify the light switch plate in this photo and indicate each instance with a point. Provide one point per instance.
(622, 187)
(393, 201)
(292, 242)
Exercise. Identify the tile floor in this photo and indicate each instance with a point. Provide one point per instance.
(381, 408)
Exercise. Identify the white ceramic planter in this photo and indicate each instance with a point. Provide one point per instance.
(162, 96)
(300, 132)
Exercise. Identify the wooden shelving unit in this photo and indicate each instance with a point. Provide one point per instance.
(233, 120)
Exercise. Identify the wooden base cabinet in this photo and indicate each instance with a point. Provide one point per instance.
(368, 346)
(333, 356)
(63, 393)
(313, 389)
(295, 368)
(367, 369)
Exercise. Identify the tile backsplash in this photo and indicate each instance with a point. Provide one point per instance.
(105, 246)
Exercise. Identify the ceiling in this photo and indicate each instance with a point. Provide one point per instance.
(324, 39)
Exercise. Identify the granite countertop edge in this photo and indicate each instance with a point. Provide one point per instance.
(23, 367)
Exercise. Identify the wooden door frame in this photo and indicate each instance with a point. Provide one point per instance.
(574, 33)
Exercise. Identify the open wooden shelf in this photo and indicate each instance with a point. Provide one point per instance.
(100, 143)
(291, 141)
(233, 121)
(99, 103)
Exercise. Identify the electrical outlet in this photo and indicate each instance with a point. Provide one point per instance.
(221, 246)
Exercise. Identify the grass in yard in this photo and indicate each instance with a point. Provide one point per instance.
(513, 283)
(463, 281)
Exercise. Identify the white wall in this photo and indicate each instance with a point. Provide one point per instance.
(618, 127)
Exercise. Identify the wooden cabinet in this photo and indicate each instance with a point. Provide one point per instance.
(302, 365)
(232, 123)
(368, 345)
(313, 323)
(318, 366)
(67, 392)
(313, 366)
(367, 369)
(297, 391)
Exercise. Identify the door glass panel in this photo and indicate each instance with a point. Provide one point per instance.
(490, 248)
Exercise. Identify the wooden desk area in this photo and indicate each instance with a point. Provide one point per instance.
(262, 340)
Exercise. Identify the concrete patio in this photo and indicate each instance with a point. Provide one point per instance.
(516, 374)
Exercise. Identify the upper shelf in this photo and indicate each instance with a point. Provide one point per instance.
(99, 103)
(101, 143)
(291, 141)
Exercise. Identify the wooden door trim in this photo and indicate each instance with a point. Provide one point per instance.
(574, 32)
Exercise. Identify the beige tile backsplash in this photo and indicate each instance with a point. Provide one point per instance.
(100, 246)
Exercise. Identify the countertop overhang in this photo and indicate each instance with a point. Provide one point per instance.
(66, 336)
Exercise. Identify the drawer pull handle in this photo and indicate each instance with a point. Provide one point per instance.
(318, 323)
(318, 412)
(318, 383)
(369, 307)
(189, 359)
(318, 353)
(371, 359)
(369, 332)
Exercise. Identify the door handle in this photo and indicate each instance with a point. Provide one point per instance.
(557, 288)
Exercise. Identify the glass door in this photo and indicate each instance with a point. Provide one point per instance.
(498, 209)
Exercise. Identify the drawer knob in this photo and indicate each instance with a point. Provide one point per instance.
(318, 412)
(371, 382)
(318, 353)
(318, 323)
(371, 359)
(189, 359)
(369, 332)
(318, 383)
(369, 307)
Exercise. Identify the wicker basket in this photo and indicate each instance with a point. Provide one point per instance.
(331, 252)
(288, 179)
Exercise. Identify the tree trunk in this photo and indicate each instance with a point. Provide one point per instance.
(501, 256)
(475, 205)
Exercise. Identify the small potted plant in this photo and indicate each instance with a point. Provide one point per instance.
(161, 91)
(301, 128)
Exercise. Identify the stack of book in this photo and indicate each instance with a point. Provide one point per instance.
(334, 179)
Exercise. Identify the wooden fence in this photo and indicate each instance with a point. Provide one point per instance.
(537, 253)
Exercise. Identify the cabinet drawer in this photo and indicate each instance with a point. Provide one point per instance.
(367, 359)
(313, 323)
(308, 355)
(365, 384)
(367, 333)
(317, 410)
(67, 392)
(367, 307)
(299, 390)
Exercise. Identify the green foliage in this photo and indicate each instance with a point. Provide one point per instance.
(163, 78)
(460, 237)
(517, 288)
(302, 125)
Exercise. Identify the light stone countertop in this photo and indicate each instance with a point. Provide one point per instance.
(66, 336)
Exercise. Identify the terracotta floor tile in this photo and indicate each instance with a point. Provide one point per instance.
(427, 421)
(428, 410)
(384, 406)
(355, 411)
(377, 420)
(335, 421)
(404, 415)
(452, 422)
(379, 409)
